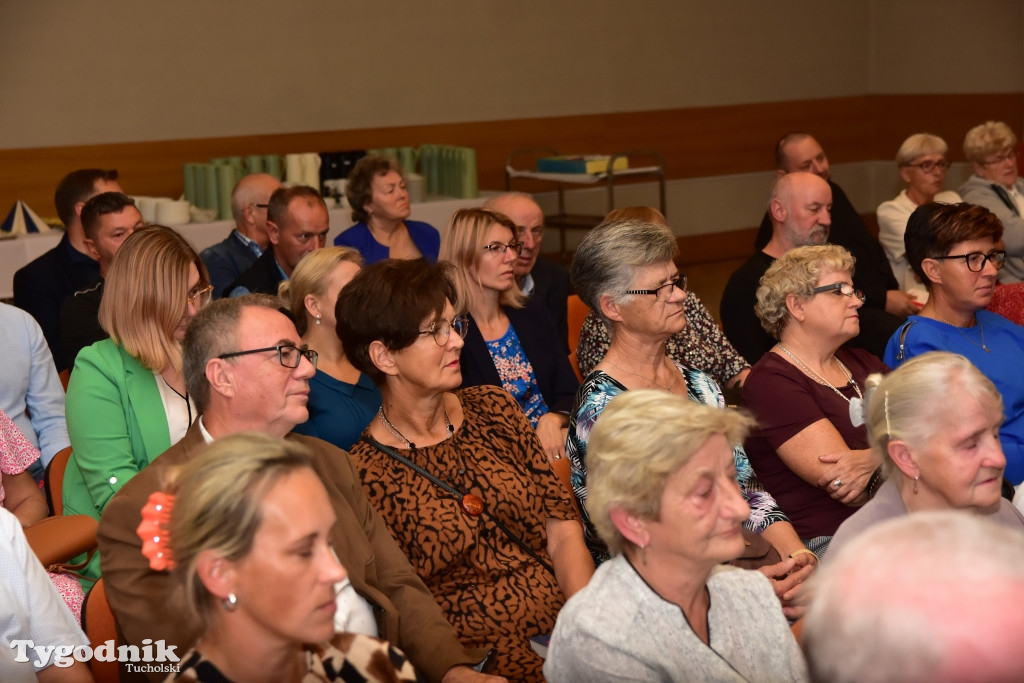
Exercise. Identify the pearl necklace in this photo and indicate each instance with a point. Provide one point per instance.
(394, 430)
(856, 404)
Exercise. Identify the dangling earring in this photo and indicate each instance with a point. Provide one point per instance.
(643, 555)
(916, 477)
(230, 603)
(317, 318)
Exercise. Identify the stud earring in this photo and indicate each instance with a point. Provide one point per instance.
(230, 603)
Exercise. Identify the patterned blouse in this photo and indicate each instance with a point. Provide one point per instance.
(701, 344)
(516, 374)
(16, 451)
(597, 390)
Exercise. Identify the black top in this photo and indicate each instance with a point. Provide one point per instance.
(262, 277)
(739, 321)
(79, 321)
(551, 286)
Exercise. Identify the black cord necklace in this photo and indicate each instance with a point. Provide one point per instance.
(397, 434)
(184, 397)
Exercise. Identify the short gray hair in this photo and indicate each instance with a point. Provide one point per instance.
(917, 145)
(608, 257)
(987, 139)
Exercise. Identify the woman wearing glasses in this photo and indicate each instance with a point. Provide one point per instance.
(457, 474)
(127, 401)
(954, 250)
(992, 149)
(922, 164)
(810, 449)
(512, 341)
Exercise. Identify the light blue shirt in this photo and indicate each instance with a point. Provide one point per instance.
(29, 385)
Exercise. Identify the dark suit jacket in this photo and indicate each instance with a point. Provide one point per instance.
(79, 321)
(262, 277)
(551, 285)
(225, 261)
(555, 378)
(41, 287)
(148, 604)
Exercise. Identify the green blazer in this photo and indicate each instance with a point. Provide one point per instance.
(117, 426)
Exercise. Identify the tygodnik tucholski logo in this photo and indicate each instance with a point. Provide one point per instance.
(136, 659)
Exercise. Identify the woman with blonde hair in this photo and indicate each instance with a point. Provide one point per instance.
(246, 529)
(511, 341)
(127, 401)
(342, 400)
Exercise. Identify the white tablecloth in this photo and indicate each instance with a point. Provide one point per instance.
(16, 252)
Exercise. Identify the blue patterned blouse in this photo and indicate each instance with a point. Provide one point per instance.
(516, 374)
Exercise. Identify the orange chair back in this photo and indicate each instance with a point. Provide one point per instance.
(53, 481)
(99, 625)
(578, 312)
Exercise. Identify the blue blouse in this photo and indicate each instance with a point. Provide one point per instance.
(339, 411)
(425, 236)
(516, 374)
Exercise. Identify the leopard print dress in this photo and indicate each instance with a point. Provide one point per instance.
(491, 590)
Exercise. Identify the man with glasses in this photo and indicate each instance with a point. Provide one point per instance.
(954, 249)
(992, 148)
(537, 277)
(246, 369)
(297, 224)
(226, 260)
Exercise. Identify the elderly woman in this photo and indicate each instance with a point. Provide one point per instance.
(935, 423)
(624, 271)
(954, 249)
(701, 344)
(810, 448)
(246, 529)
(458, 474)
(127, 401)
(342, 400)
(922, 164)
(992, 149)
(511, 340)
(380, 203)
(663, 493)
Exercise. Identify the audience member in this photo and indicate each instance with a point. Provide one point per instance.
(663, 494)
(107, 219)
(297, 224)
(922, 164)
(992, 148)
(30, 390)
(458, 474)
(380, 204)
(228, 259)
(536, 277)
(931, 597)
(342, 400)
(41, 286)
(238, 513)
(934, 421)
(624, 270)
(510, 340)
(246, 372)
(127, 400)
(810, 448)
(701, 344)
(954, 249)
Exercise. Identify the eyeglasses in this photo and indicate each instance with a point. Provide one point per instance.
(1009, 155)
(288, 355)
(442, 329)
(261, 206)
(976, 260)
(536, 231)
(663, 292)
(199, 297)
(500, 248)
(840, 289)
(929, 166)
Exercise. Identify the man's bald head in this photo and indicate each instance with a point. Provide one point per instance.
(800, 210)
(799, 152)
(529, 220)
(248, 205)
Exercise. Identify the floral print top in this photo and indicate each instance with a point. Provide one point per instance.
(16, 451)
(516, 374)
(597, 390)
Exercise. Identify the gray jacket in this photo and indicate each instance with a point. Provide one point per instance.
(996, 199)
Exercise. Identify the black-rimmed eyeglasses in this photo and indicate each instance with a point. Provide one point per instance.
(501, 248)
(288, 355)
(840, 289)
(976, 260)
(929, 166)
(663, 292)
(442, 329)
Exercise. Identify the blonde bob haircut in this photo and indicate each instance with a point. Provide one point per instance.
(463, 246)
(146, 292)
(913, 402)
(987, 139)
(917, 146)
(310, 277)
(796, 272)
(641, 438)
(218, 496)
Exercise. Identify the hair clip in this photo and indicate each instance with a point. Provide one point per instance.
(156, 515)
(888, 428)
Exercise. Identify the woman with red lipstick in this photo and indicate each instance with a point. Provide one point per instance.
(512, 341)
(935, 422)
(810, 449)
(458, 475)
(246, 528)
(956, 251)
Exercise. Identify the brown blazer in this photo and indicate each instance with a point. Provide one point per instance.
(149, 604)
